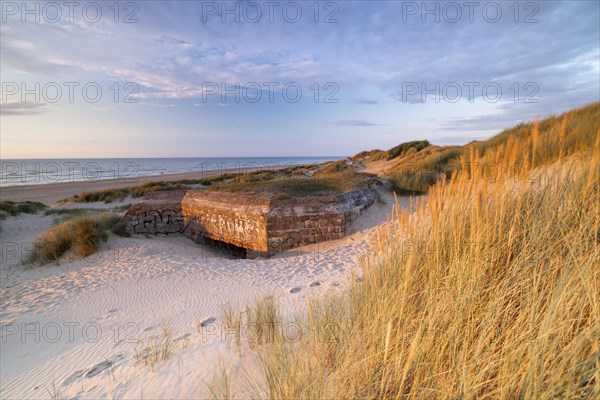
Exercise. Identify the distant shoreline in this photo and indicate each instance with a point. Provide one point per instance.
(50, 193)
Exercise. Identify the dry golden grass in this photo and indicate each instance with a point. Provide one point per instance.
(81, 234)
(487, 289)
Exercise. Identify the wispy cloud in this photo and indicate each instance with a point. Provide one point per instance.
(353, 122)
(367, 101)
(25, 108)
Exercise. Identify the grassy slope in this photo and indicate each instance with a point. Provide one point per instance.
(416, 166)
(491, 289)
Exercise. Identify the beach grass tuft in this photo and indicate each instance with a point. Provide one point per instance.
(155, 349)
(82, 234)
(13, 208)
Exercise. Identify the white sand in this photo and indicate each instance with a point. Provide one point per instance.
(128, 290)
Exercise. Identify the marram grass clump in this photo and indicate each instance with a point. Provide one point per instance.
(82, 235)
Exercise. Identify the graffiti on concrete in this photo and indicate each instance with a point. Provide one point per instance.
(163, 222)
(231, 227)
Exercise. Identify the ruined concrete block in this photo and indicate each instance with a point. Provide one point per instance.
(258, 224)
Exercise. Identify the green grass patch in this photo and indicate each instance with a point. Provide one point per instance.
(15, 208)
(298, 186)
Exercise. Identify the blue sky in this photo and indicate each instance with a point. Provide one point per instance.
(363, 68)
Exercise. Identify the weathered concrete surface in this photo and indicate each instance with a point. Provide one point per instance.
(238, 220)
(297, 222)
(261, 225)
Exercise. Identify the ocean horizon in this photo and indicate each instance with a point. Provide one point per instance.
(18, 172)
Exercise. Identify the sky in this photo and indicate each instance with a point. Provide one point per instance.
(276, 78)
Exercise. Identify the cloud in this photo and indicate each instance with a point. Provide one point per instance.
(353, 122)
(369, 53)
(367, 101)
(171, 53)
(25, 108)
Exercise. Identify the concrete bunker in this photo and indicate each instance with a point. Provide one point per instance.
(248, 225)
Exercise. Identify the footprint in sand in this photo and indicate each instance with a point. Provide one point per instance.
(295, 289)
(315, 283)
(93, 371)
(207, 321)
(182, 337)
(74, 377)
(98, 368)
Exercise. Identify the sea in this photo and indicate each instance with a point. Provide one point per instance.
(15, 172)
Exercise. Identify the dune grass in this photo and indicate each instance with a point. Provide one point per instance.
(417, 165)
(286, 187)
(486, 289)
(56, 392)
(416, 171)
(221, 387)
(155, 349)
(119, 194)
(13, 208)
(82, 235)
(403, 148)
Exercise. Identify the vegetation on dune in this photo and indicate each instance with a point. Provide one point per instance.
(155, 349)
(13, 208)
(319, 185)
(107, 196)
(111, 195)
(370, 155)
(403, 148)
(415, 172)
(333, 167)
(394, 152)
(65, 214)
(416, 166)
(82, 235)
(488, 288)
